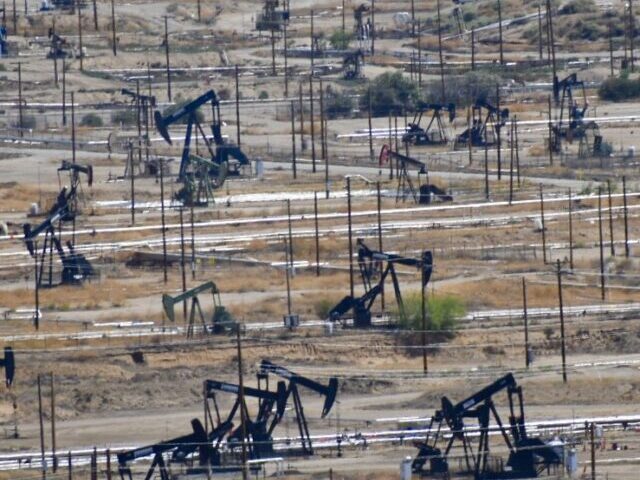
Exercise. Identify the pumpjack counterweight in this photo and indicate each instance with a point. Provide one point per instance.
(374, 268)
(75, 266)
(328, 391)
(201, 176)
(528, 457)
(486, 120)
(435, 133)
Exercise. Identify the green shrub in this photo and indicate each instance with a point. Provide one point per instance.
(620, 88)
(578, 6)
(337, 104)
(442, 312)
(463, 90)
(28, 122)
(263, 95)
(323, 306)
(91, 120)
(391, 93)
(340, 39)
(124, 117)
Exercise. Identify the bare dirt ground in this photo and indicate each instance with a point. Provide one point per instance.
(482, 247)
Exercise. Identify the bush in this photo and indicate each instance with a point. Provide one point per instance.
(578, 6)
(124, 117)
(618, 89)
(337, 104)
(464, 90)
(442, 312)
(91, 120)
(391, 93)
(340, 39)
(28, 122)
(263, 95)
(323, 306)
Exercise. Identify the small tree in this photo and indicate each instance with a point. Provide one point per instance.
(91, 120)
(340, 39)
(442, 312)
(390, 93)
(337, 104)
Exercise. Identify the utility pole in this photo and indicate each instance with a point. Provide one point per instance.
(564, 356)
(313, 51)
(527, 355)
(73, 128)
(43, 459)
(539, 32)
(301, 106)
(313, 128)
(626, 223)
(243, 413)
(80, 34)
(369, 120)
(552, 43)
(182, 262)
(164, 229)
(632, 32)
(286, 69)
(350, 236)
(55, 57)
(498, 131)
(20, 118)
(166, 51)
(442, 87)
(315, 216)
(95, 16)
(373, 27)
(611, 50)
(113, 29)
(64, 93)
(293, 141)
(473, 49)
(133, 176)
(423, 313)
(602, 280)
(36, 316)
(613, 248)
(500, 32)
(413, 18)
(542, 227)
(193, 245)
(570, 231)
(237, 76)
(53, 426)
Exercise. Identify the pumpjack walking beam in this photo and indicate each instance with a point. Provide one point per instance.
(435, 133)
(180, 448)
(329, 391)
(570, 124)
(191, 166)
(425, 192)
(378, 265)
(220, 321)
(76, 267)
(528, 457)
(486, 120)
(260, 441)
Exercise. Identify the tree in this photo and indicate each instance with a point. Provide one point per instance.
(340, 39)
(390, 93)
(91, 120)
(337, 104)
